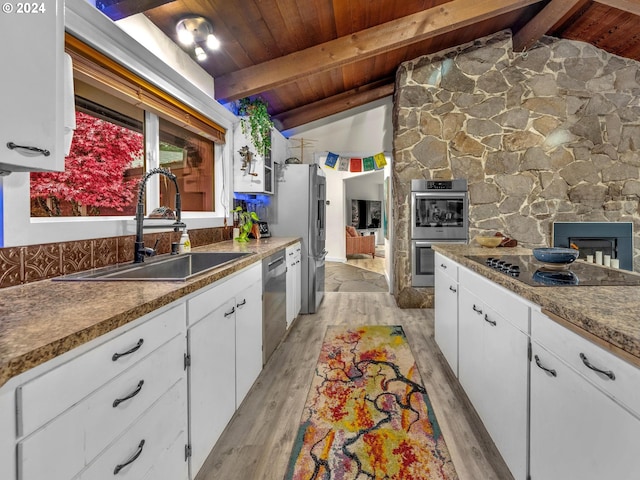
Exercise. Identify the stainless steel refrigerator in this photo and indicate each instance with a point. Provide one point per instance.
(298, 210)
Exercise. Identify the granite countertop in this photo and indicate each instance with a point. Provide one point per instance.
(610, 314)
(41, 320)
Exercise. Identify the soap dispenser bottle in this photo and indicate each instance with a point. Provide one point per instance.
(185, 243)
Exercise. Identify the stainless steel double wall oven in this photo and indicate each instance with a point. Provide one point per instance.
(439, 214)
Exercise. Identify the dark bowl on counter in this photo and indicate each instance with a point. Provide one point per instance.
(556, 255)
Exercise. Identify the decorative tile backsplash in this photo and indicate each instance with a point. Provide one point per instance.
(20, 265)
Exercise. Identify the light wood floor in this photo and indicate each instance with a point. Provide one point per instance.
(257, 443)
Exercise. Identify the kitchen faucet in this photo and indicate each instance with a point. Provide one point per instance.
(140, 251)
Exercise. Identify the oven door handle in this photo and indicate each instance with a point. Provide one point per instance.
(439, 193)
(423, 244)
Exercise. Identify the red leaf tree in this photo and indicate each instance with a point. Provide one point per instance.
(94, 175)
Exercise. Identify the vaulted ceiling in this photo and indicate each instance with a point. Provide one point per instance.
(313, 58)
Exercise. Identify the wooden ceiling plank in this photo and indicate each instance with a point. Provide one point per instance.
(398, 33)
(554, 12)
(337, 103)
(629, 6)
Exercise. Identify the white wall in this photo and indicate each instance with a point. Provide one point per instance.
(358, 132)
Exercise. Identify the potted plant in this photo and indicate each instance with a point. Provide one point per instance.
(247, 220)
(256, 122)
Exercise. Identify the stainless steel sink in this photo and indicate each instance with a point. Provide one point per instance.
(170, 268)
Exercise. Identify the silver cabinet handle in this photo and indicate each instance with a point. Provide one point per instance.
(43, 151)
(230, 312)
(488, 320)
(116, 356)
(118, 401)
(477, 310)
(586, 362)
(131, 460)
(454, 290)
(548, 370)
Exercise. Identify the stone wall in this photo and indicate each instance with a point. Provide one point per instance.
(549, 135)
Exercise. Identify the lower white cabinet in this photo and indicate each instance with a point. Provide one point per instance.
(493, 370)
(578, 429)
(225, 356)
(293, 254)
(121, 402)
(446, 309)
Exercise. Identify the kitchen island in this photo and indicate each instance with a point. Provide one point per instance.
(552, 371)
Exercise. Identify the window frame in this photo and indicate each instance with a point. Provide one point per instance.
(88, 25)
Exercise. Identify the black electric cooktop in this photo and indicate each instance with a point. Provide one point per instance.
(538, 274)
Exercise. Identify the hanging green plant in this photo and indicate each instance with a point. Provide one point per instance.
(256, 122)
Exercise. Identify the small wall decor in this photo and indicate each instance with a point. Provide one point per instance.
(360, 164)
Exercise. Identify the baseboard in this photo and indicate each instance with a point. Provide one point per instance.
(336, 259)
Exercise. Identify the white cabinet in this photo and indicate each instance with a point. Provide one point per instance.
(293, 255)
(31, 100)
(84, 417)
(257, 174)
(225, 352)
(579, 429)
(493, 364)
(446, 309)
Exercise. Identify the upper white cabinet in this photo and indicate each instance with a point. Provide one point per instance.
(446, 309)
(32, 97)
(255, 174)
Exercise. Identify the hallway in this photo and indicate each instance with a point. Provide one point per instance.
(257, 443)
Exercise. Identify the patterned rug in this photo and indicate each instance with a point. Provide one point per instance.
(367, 415)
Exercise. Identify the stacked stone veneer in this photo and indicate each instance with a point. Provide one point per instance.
(549, 135)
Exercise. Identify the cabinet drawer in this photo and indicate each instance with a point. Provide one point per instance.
(568, 346)
(50, 394)
(505, 303)
(204, 303)
(158, 428)
(446, 266)
(89, 426)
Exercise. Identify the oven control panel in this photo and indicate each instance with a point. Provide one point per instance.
(438, 185)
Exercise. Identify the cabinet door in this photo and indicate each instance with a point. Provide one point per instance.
(212, 378)
(291, 283)
(248, 338)
(502, 402)
(297, 289)
(576, 430)
(446, 322)
(31, 99)
(470, 347)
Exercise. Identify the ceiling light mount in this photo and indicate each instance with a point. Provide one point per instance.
(197, 32)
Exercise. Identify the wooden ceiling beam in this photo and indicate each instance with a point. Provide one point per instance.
(119, 9)
(630, 6)
(335, 104)
(555, 12)
(367, 43)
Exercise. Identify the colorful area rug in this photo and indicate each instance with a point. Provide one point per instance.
(367, 415)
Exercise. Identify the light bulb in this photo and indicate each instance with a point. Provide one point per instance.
(200, 54)
(212, 42)
(185, 37)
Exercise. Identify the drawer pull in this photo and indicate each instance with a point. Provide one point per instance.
(587, 364)
(242, 303)
(548, 370)
(118, 401)
(454, 290)
(476, 309)
(442, 265)
(488, 320)
(116, 356)
(230, 312)
(131, 460)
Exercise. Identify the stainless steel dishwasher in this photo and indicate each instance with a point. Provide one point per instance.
(274, 302)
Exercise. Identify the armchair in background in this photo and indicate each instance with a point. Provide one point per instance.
(357, 243)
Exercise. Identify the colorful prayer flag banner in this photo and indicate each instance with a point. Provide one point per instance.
(343, 164)
(356, 164)
(331, 160)
(368, 163)
(380, 160)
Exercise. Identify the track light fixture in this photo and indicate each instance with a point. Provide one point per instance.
(197, 32)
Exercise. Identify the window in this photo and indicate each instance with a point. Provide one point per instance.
(107, 158)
